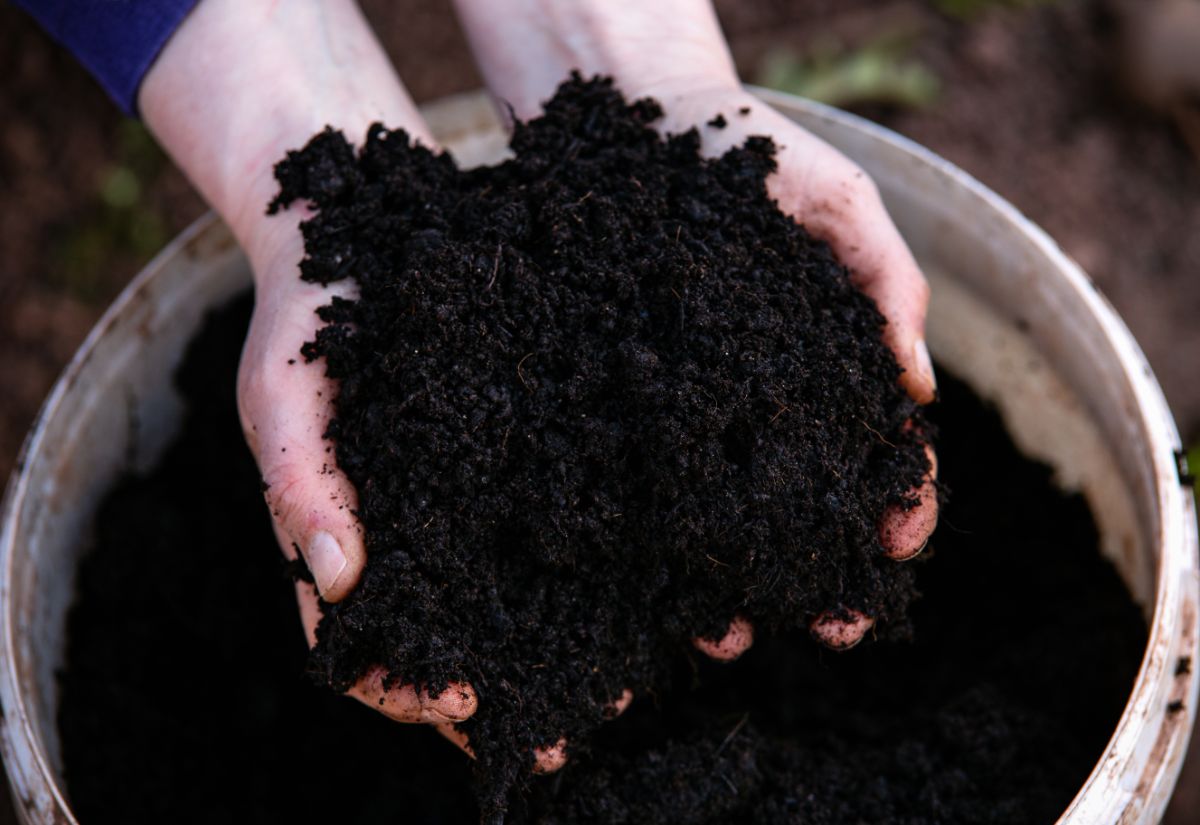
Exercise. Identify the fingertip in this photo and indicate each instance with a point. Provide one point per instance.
(918, 378)
(456, 703)
(841, 633)
(620, 704)
(736, 641)
(905, 533)
(551, 759)
(901, 541)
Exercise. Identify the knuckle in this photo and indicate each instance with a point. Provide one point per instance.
(915, 296)
(920, 288)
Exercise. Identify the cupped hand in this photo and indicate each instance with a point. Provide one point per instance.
(837, 202)
(285, 404)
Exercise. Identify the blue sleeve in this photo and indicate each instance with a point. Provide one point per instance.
(116, 40)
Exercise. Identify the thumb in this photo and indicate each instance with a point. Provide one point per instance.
(838, 202)
(285, 405)
(865, 239)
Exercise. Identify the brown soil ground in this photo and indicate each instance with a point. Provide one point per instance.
(1032, 102)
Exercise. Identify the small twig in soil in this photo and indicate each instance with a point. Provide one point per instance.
(782, 409)
(521, 375)
(495, 268)
(878, 434)
(733, 733)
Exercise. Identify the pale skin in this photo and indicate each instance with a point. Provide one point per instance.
(243, 81)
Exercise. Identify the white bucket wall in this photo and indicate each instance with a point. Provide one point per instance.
(1011, 314)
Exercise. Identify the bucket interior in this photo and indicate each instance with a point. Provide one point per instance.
(1014, 332)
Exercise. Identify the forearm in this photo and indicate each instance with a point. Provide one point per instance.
(662, 48)
(243, 81)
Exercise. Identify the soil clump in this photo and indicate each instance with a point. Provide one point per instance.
(596, 400)
(184, 700)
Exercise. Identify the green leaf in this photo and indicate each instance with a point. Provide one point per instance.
(881, 71)
(120, 188)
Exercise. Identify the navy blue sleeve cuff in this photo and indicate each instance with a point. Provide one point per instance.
(117, 40)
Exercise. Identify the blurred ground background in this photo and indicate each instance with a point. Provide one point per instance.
(1084, 113)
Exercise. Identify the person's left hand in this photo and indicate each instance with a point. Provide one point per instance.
(836, 201)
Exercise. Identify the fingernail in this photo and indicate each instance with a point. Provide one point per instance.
(914, 553)
(841, 634)
(924, 364)
(326, 561)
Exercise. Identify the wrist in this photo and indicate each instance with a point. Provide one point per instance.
(664, 49)
(243, 81)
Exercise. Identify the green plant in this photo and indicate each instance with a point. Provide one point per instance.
(117, 223)
(881, 71)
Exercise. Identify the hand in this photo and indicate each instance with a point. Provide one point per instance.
(240, 83)
(836, 201)
(673, 51)
(285, 406)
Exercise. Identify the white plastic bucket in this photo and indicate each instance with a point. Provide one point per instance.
(1011, 314)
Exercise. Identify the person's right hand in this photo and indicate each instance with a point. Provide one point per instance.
(285, 404)
(240, 83)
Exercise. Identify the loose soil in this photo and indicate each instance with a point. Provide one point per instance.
(596, 401)
(184, 699)
(1065, 122)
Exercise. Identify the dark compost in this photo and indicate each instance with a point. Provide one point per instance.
(596, 400)
(184, 699)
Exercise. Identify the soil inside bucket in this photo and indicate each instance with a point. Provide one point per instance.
(596, 401)
(184, 697)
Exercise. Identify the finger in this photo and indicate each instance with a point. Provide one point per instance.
(402, 703)
(865, 239)
(551, 759)
(405, 703)
(620, 705)
(546, 760)
(904, 533)
(838, 633)
(285, 405)
(460, 739)
(838, 202)
(734, 643)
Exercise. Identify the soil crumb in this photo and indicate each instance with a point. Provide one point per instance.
(596, 400)
(184, 700)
